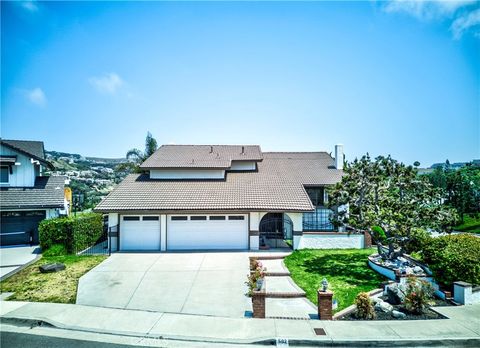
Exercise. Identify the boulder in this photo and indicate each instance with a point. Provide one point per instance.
(384, 307)
(393, 295)
(398, 314)
(51, 267)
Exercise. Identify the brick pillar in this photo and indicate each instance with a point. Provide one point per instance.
(325, 304)
(367, 240)
(258, 304)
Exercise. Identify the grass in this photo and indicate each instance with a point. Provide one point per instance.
(470, 224)
(60, 287)
(346, 270)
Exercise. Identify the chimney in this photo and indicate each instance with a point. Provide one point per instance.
(339, 156)
(211, 149)
(243, 150)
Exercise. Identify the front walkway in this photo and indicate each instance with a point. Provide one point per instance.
(190, 283)
(462, 329)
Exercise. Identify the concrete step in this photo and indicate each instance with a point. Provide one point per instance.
(296, 308)
(284, 287)
(275, 266)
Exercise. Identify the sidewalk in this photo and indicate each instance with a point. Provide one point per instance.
(463, 327)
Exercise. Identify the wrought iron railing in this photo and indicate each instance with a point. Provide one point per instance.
(318, 220)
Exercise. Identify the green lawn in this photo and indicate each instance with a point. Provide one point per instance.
(346, 270)
(60, 287)
(470, 224)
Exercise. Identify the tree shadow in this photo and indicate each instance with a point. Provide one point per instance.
(350, 268)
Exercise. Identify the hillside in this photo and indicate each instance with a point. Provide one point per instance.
(91, 178)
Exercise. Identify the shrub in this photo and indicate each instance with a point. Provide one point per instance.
(365, 308)
(56, 250)
(454, 258)
(419, 238)
(255, 275)
(73, 233)
(418, 295)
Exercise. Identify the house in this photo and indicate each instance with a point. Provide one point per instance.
(192, 197)
(26, 196)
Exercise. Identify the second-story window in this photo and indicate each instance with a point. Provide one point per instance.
(317, 195)
(4, 174)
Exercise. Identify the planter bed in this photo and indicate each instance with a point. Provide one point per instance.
(429, 314)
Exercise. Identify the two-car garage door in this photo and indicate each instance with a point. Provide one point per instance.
(207, 232)
(184, 232)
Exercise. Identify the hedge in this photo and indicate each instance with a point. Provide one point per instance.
(75, 233)
(454, 258)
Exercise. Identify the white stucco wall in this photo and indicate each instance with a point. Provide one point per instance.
(465, 294)
(22, 175)
(243, 165)
(187, 174)
(297, 219)
(254, 242)
(163, 232)
(330, 241)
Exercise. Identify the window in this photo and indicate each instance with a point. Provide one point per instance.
(236, 217)
(198, 217)
(217, 217)
(131, 218)
(316, 195)
(150, 218)
(11, 213)
(179, 218)
(4, 174)
(318, 220)
(35, 213)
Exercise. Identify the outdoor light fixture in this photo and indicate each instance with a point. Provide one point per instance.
(324, 284)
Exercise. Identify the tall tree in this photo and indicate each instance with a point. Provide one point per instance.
(388, 200)
(136, 157)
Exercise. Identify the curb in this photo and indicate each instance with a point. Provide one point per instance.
(321, 342)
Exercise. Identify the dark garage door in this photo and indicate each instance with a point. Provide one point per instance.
(20, 227)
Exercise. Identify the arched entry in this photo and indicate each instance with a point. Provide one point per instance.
(276, 231)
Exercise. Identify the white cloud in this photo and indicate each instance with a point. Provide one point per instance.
(108, 83)
(466, 22)
(462, 14)
(30, 6)
(37, 96)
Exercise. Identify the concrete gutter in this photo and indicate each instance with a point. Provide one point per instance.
(462, 329)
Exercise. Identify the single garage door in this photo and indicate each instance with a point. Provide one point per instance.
(140, 232)
(20, 227)
(190, 232)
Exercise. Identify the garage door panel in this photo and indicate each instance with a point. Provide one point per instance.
(20, 227)
(139, 234)
(207, 234)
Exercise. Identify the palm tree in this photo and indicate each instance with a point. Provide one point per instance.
(135, 157)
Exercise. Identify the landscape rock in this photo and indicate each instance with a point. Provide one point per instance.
(394, 295)
(384, 307)
(398, 314)
(51, 267)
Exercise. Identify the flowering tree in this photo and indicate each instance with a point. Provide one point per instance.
(389, 200)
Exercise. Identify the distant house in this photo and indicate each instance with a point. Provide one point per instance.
(193, 197)
(27, 197)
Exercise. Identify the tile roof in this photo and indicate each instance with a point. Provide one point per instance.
(278, 185)
(48, 192)
(201, 156)
(32, 148)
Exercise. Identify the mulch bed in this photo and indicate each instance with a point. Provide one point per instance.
(429, 314)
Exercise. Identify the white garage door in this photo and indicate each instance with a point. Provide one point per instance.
(190, 232)
(140, 232)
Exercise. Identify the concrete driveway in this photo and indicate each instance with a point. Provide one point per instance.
(14, 258)
(194, 283)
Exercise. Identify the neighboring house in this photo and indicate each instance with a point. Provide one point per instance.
(27, 197)
(227, 197)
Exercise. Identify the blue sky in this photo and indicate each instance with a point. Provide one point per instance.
(399, 78)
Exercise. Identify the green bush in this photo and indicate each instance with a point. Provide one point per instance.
(419, 238)
(73, 233)
(56, 250)
(454, 258)
(418, 295)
